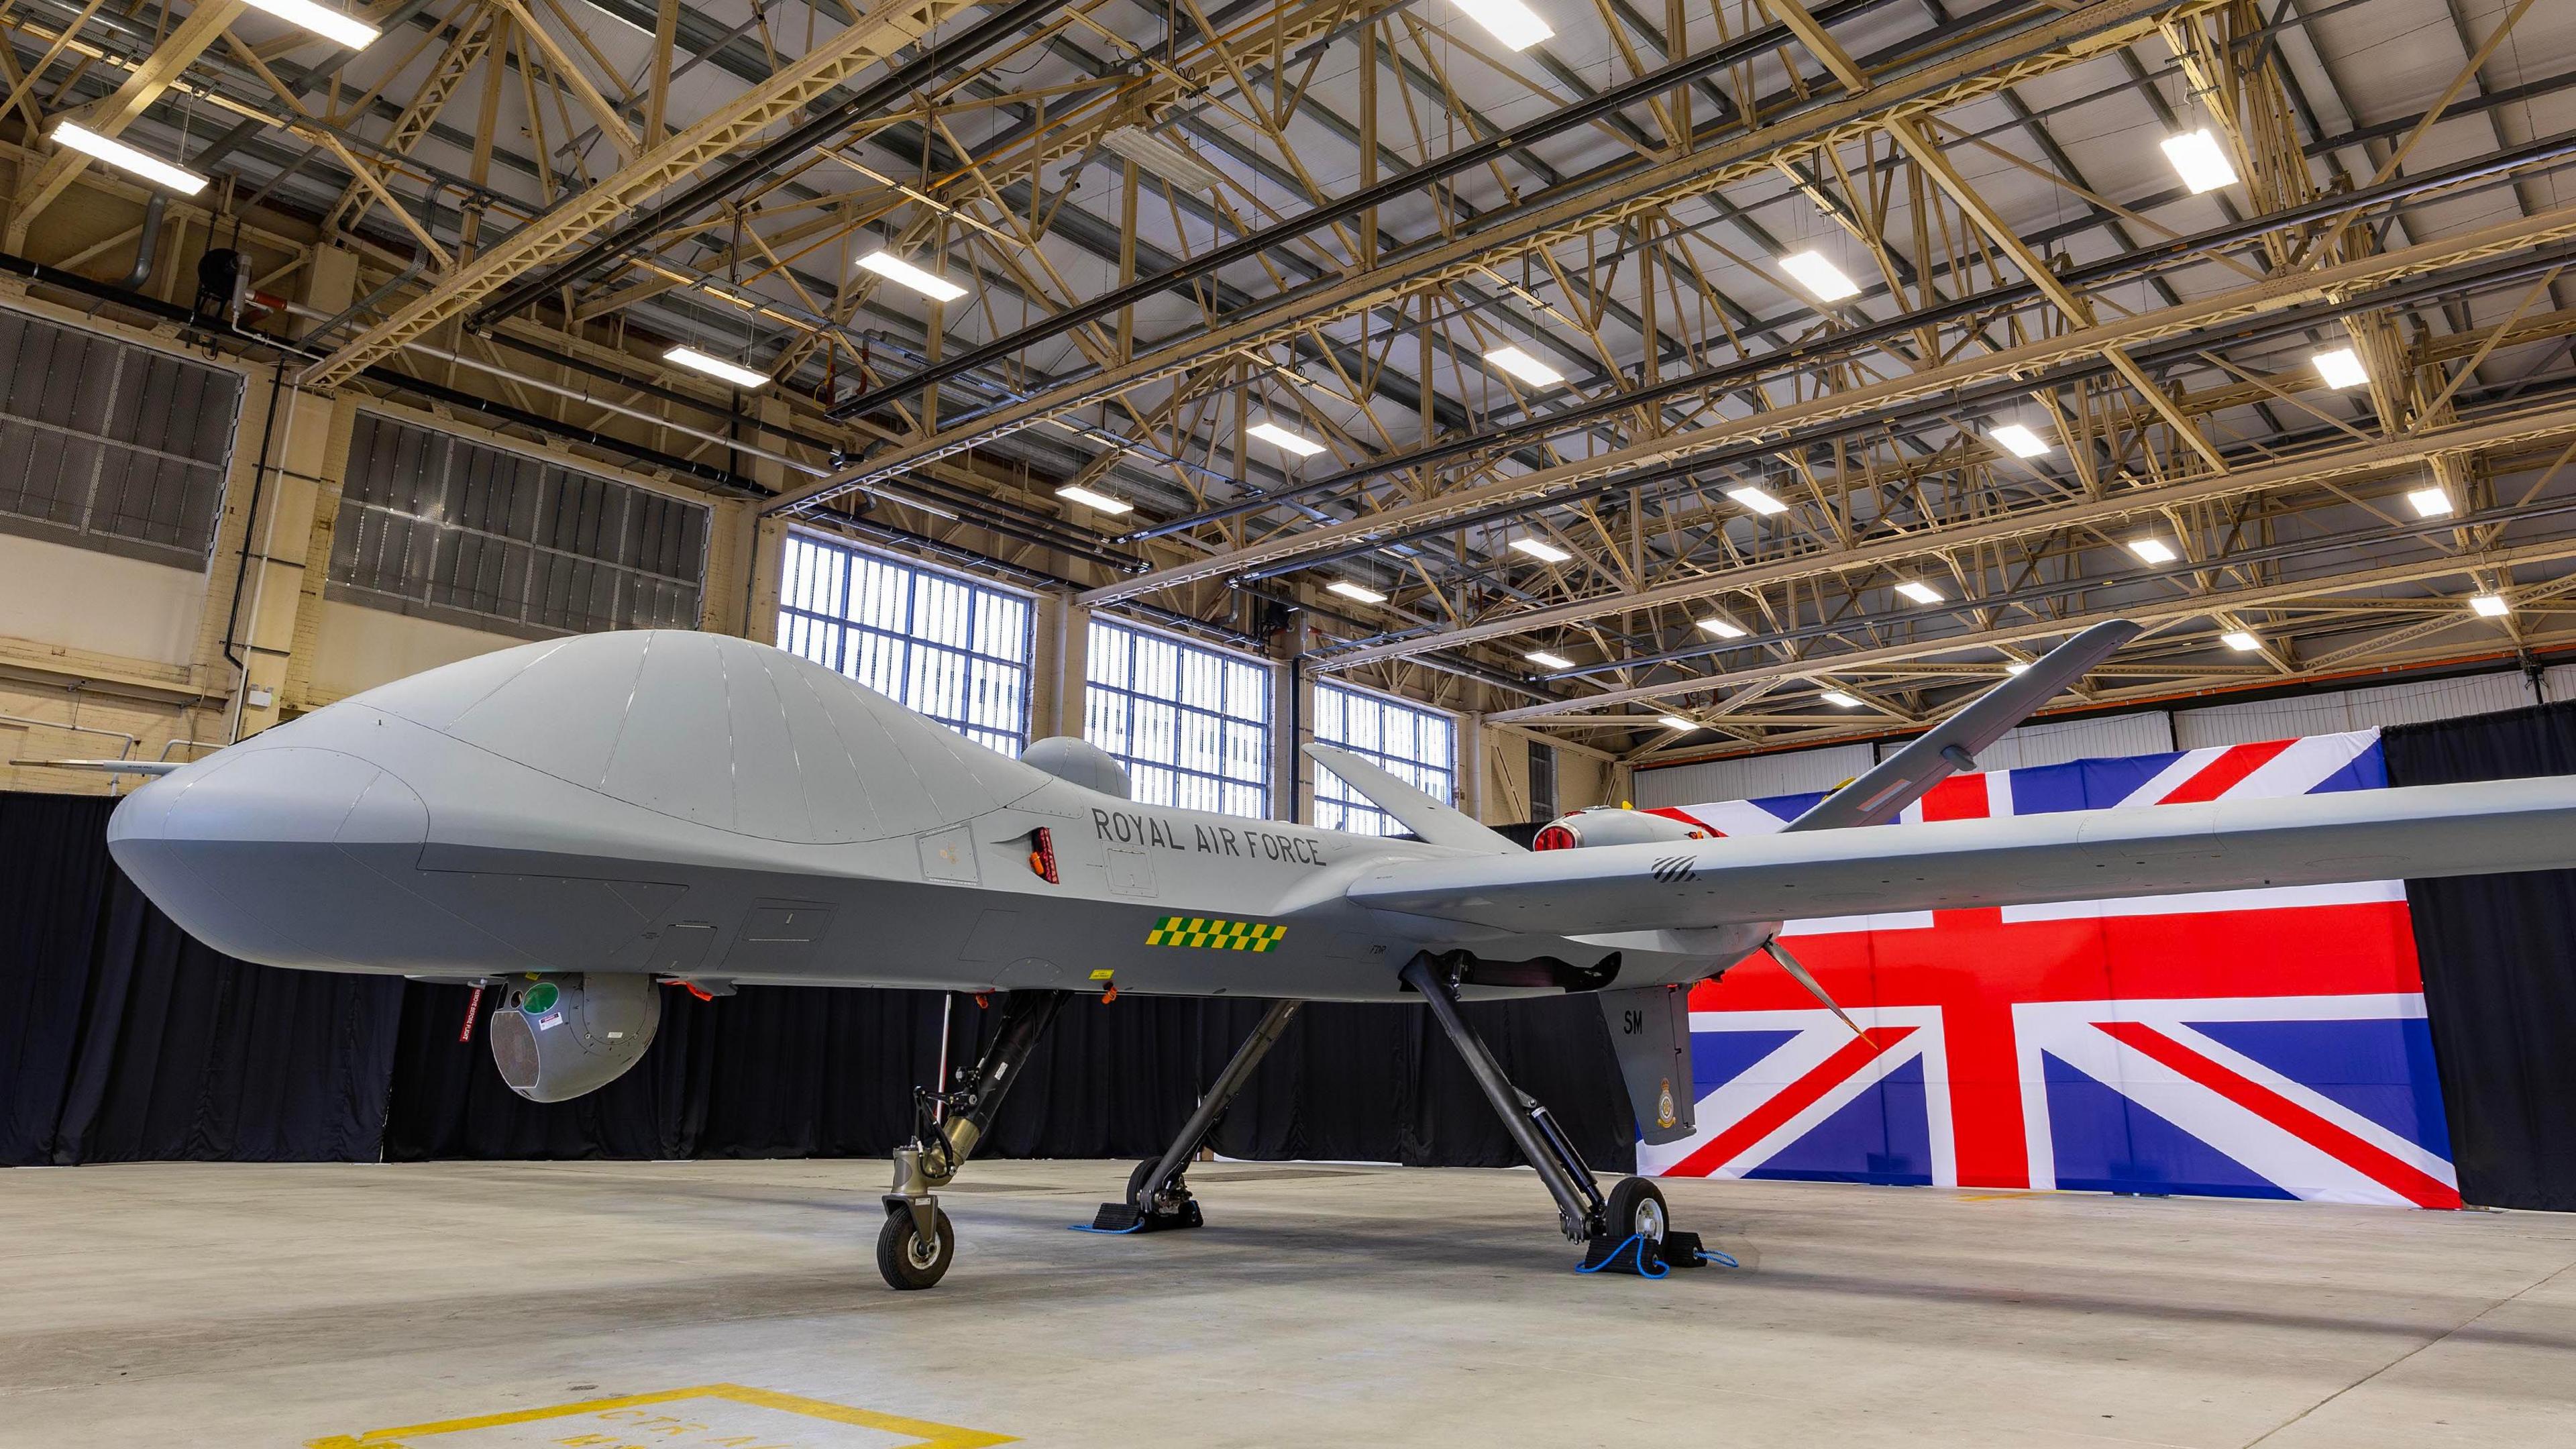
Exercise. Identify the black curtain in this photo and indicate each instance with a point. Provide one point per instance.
(782, 1071)
(123, 1040)
(2499, 958)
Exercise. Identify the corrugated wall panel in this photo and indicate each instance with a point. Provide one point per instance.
(2318, 714)
(2055, 742)
(1753, 777)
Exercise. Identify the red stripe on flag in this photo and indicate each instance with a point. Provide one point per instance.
(1670, 812)
(2394, 1173)
(2226, 772)
(1797, 1097)
(1960, 797)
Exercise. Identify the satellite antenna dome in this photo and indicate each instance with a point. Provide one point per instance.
(1080, 762)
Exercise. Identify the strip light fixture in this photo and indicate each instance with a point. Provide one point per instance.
(2429, 502)
(2240, 641)
(1516, 25)
(1545, 660)
(1525, 367)
(1676, 722)
(125, 158)
(322, 20)
(1361, 592)
(1839, 699)
(2153, 550)
(2490, 606)
(1095, 501)
(2341, 369)
(1919, 591)
(2019, 441)
(717, 367)
(2200, 161)
(895, 269)
(1821, 278)
(1540, 549)
(1722, 627)
(1757, 499)
(1163, 157)
(1285, 440)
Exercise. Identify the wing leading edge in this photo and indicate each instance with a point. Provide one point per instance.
(2419, 831)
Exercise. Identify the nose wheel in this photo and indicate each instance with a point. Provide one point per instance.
(909, 1260)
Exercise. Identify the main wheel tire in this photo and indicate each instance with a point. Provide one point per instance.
(1637, 1207)
(1145, 1169)
(905, 1260)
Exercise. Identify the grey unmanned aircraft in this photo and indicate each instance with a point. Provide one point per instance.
(577, 821)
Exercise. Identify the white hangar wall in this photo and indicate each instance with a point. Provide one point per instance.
(2144, 733)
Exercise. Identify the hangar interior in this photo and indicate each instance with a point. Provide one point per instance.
(1555, 406)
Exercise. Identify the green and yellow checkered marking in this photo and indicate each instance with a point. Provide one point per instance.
(1214, 934)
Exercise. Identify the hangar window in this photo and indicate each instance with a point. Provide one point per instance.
(1192, 725)
(110, 444)
(1417, 746)
(441, 526)
(950, 648)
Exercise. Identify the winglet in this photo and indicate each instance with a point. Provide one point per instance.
(1435, 822)
(1909, 774)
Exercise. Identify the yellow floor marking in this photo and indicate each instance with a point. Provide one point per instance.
(619, 1422)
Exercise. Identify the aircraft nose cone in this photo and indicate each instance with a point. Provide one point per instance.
(257, 853)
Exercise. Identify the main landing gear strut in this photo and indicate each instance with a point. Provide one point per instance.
(1626, 1232)
(916, 1243)
(1157, 1196)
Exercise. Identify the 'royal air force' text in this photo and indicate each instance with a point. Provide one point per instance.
(1144, 832)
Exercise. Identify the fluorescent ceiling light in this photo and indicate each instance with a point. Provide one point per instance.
(1676, 722)
(1097, 502)
(125, 158)
(1514, 24)
(1820, 277)
(714, 366)
(2491, 606)
(2153, 550)
(2017, 667)
(1349, 590)
(1545, 660)
(895, 269)
(1541, 549)
(1164, 157)
(2341, 369)
(323, 21)
(2430, 502)
(2200, 160)
(1525, 367)
(1837, 697)
(1919, 592)
(1757, 500)
(2019, 441)
(2240, 641)
(1285, 440)
(1723, 627)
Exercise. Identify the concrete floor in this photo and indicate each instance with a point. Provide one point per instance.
(279, 1306)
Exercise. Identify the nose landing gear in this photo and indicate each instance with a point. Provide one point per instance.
(917, 1242)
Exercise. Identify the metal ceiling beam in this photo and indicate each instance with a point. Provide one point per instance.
(1927, 85)
(2038, 630)
(722, 132)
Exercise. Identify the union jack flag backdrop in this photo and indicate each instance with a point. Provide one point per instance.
(2258, 1043)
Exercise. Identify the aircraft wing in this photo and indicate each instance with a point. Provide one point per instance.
(1435, 822)
(2427, 830)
